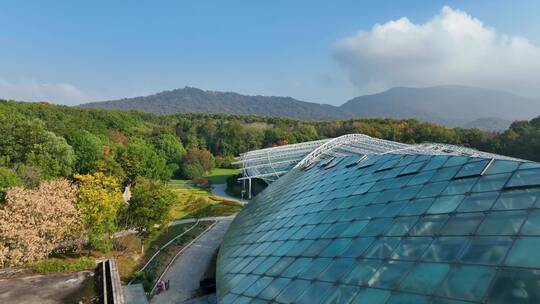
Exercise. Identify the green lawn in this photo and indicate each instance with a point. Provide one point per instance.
(195, 202)
(220, 175)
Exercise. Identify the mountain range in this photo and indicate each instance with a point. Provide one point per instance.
(454, 106)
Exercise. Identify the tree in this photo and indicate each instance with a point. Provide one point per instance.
(26, 141)
(8, 179)
(88, 150)
(33, 222)
(149, 205)
(196, 162)
(99, 200)
(170, 148)
(140, 159)
(53, 155)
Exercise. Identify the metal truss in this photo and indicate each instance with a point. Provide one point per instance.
(271, 163)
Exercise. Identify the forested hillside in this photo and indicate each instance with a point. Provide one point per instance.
(222, 135)
(196, 100)
(84, 158)
(448, 105)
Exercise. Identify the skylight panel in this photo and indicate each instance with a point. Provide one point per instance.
(473, 169)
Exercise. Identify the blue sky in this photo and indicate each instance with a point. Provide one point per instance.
(75, 51)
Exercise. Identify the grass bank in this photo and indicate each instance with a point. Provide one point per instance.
(220, 175)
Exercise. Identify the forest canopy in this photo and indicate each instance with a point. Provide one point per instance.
(96, 154)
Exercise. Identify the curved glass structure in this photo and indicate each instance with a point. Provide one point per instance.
(390, 228)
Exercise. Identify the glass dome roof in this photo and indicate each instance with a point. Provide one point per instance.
(389, 229)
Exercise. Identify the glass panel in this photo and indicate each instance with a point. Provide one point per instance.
(402, 225)
(445, 174)
(411, 248)
(393, 209)
(421, 178)
(274, 288)
(518, 199)
(316, 248)
(337, 270)
(244, 284)
(354, 228)
(446, 204)
(382, 248)
(436, 162)
(389, 274)
(532, 226)
(317, 266)
(428, 225)
(299, 248)
(462, 224)
(424, 278)
(279, 266)
(370, 295)
(242, 300)
(417, 207)
(362, 272)
(341, 294)
(502, 223)
(473, 168)
(297, 267)
(336, 248)
(257, 286)
(445, 249)
(291, 292)
(478, 202)
(467, 282)
(402, 298)
(335, 230)
(358, 246)
(525, 178)
(265, 265)
(524, 253)
(412, 168)
(432, 189)
(460, 186)
(491, 182)
(456, 160)
(502, 166)
(515, 286)
(377, 227)
(314, 293)
(487, 250)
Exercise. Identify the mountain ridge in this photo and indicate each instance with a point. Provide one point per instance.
(451, 105)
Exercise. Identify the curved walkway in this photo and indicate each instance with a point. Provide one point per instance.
(189, 268)
(219, 190)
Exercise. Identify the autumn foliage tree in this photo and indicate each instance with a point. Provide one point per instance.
(99, 200)
(33, 222)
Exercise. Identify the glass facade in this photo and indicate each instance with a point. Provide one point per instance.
(389, 229)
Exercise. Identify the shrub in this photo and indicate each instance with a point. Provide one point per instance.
(33, 222)
(63, 265)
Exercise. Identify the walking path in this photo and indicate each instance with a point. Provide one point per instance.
(219, 190)
(203, 219)
(189, 268)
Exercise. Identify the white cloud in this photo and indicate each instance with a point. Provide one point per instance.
(451, 48)
(32, 90)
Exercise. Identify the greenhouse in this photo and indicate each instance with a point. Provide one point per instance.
(399, 224)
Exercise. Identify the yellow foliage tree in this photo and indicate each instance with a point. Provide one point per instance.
(99, 200)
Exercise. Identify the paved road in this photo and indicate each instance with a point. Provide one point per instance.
(189, 268)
